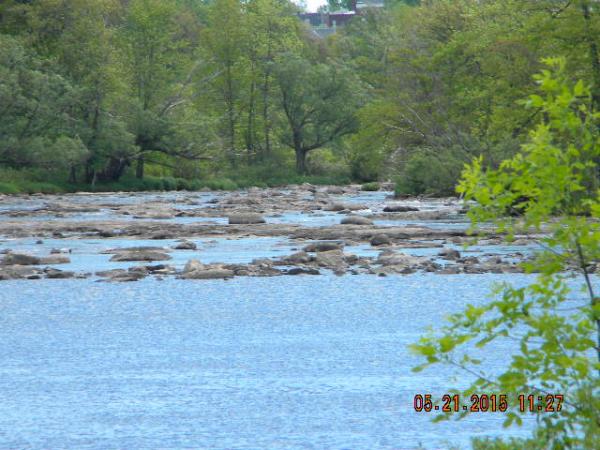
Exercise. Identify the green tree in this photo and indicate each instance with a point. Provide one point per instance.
(224, 40)
(36, 110)
(161, 73)
(553, 185)
(319, 103)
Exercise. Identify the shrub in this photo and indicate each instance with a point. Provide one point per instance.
(169, 184)
(8, 188)
(428, 173)
(221, 184)
(374, 186)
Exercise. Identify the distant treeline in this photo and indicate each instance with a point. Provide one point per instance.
(96, 92)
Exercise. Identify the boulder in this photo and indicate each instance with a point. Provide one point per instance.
(18, 272)
(380, 239)
(245, 218)
(122, 275)
(162, 235)
(60, 274)
(20, 259)
(55, 259)
(356, 220)
(186, 245)
(208, 274)
(397, 259)
(302, 271)
(399, 208)
(193, 265)
(334, 190)
(323, 246)
(333, 259)
(449, 253)
(337, 207)
(140, 255)
(297, 258)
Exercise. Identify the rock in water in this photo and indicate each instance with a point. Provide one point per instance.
(323, 246)
(20, 259)
(449, 253)
(356, 220)
(399, 208)
(55, 273)
(55, 259)
(186, 245)
(141, 255)
(302, 271)
(208, 274)
(380, 239)
(192, 265)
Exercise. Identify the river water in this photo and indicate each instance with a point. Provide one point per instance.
(249, 363)
(286, 362)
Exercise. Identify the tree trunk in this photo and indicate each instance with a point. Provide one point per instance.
(250, 134)
(139, 170)
(73, 175)
(229, 101)
(300, 152)
(266, 92)
(90, 173)
(301, 161)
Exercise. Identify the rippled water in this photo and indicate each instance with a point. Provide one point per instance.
(285, 362)
(249, 363)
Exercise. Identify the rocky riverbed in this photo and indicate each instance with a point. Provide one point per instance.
(310, 230)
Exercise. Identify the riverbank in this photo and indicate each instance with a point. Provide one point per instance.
(41, 182)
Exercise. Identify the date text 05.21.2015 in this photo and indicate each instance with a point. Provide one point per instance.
(488, 403)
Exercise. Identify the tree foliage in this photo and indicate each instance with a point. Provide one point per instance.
(553, 323)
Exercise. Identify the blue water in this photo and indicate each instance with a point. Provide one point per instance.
(86, 254)
(250, 363)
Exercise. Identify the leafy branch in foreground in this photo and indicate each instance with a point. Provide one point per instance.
(551, 189)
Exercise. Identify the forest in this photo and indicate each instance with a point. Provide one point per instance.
(186, 94)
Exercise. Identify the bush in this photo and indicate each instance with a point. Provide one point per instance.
(34, 187)
(169, 184)
(429, 174)
(374, 186)
(221, 184)
(8, 188)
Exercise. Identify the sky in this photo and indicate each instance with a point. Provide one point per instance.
(311, 5)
